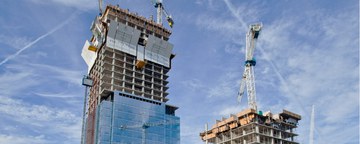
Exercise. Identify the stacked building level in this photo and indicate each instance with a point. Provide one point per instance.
(128, 59)
(251, 127)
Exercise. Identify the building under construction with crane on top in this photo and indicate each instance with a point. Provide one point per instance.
(251, 126)
(128, 60)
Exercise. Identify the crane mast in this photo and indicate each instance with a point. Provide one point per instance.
(100, 7)
(248, 78)
(160, 10)
(312, 125)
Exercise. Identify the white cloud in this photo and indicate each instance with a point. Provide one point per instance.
(27, 113)
(16, 139)
(320, 72)
(80, 4)
(193, 84)
(59, 73)
(30, 118)
(190, 134)
(226, 27)
(44, 118)
(226, 111)
(41, 119)
(21, 77)
(226, 86)
(30, 44)
(13, 83)
(236, 12)
(211, 4)
(14, 42)
(58, 95)
(200, 2)
(234, 49)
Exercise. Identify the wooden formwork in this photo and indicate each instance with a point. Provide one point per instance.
(247, 120)
(234, 121)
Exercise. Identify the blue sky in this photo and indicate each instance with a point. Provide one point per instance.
(308, 53)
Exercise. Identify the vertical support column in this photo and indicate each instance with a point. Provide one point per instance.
(97, 98)
(231, 136)
(113, 111)
(222, 137)
(206, 130)
(257, 133)
(272, 136)
(162, 86)
(216, 139)
(244, 133)
(83, 136)
(112, 70)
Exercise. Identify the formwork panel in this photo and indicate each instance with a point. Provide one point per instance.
(250, 127)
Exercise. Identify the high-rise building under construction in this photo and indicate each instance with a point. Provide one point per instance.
(251, 126)
(128, 60)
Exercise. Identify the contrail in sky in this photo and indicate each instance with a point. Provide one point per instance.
(244, 26)
(278, 74)
(39, 38)
(237, 16)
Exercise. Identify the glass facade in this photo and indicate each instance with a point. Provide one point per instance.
(128, 119)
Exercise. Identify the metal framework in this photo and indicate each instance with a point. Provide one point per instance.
(160, 10)
(248, 76)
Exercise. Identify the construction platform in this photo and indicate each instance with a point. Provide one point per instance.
(251, 127)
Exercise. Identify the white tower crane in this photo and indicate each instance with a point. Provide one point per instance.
(312, 125)
(100, 7)
(248, 76)
(161, 10)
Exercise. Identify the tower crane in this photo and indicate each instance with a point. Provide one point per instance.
(161, 10)
(248, 78)
(145, 126)
(312, 125)
(100, 7)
